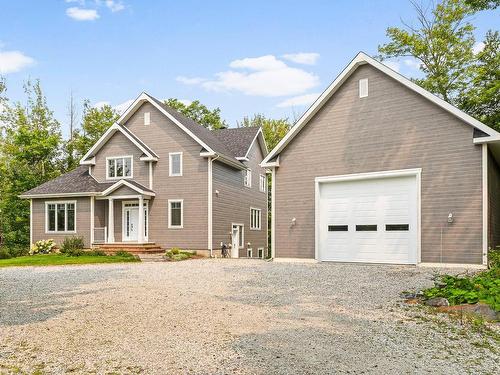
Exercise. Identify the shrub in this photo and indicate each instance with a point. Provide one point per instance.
(181, 256)
(4, 254)
(177, 254)
(42, 247)
(72, 246)
(96, 253)
(175, 250)
(16, 250)
(494, 258)
(125, 254)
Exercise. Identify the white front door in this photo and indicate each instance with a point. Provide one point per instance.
(372, 220)
(235, 241)
(130, 224)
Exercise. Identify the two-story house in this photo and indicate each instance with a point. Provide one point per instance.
(157, 179)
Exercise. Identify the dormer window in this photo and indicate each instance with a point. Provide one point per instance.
(363, 88)
(119, 167)
(147, 118)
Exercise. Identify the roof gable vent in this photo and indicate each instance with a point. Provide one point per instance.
(363, 88)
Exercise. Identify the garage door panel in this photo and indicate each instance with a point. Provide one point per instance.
(388, 203)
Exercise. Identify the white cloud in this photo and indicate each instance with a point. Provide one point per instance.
(301, 100)
(478, 47)
(114, 6)
(120, 108)
(394, 65)
(81, 14)
(190, 81)
(307, 58)
(260, 76)
(412, 63)
(14, 61)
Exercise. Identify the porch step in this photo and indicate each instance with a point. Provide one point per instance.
(152, 257)
(148, 248)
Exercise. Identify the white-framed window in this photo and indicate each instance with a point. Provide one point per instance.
(60, 217)
(175, 164)
(249, 252)
(118, 167)
(247, 178)
(262, 183)
(363, 88)
(147, 118)
(260, 252)
(175, 213)
(255, 216)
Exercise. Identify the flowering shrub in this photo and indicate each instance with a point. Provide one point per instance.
(42, 247)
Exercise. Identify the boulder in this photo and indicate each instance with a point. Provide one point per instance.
(437, 302)
(481, 309)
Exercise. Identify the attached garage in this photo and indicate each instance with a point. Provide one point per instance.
(369, 217)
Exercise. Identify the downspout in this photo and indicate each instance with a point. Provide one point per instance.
(210, 203)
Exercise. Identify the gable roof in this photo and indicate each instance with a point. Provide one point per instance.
(240, 140)
(76, 182)
(361, 59)
(134, 185)
(148, 153)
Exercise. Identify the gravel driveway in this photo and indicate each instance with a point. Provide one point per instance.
(229, 317)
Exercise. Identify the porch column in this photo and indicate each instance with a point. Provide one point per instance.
(111, 221)
(140, 222)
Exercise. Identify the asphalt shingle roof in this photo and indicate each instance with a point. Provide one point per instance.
(237, 140)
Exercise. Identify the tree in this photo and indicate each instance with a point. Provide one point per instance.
(29, 156)
(69, 146)
(442, 43)
(482, 99)
(273, 130)
(198, 112)
(94, 123)
(483, 4)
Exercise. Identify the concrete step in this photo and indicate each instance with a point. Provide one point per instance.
(151, 257)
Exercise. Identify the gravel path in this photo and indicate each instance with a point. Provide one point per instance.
(229, 317)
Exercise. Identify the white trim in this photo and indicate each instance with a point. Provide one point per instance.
(143, 97)
(363, 88)
(485, 202)
(210, 200)
(47, 231)
(273, 212)
(106, 136)
(241, 238)
(31, 222)
(128, 184)
(416, 172)
(92, 202)
(295, 260)
(59, 195)
(121, 197)
(259, 211)
(247, 178)
(145, 206)
(361, 59)
(111, 221)
(115, 158)
(150, 174)
(490, 139)
(170, 174)
(453, 265)
(263, 141)
(170, 226)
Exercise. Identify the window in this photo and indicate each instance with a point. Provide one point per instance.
(397, 227)
(60, 217)
(175, 213)
(338, 228)
(260, 251)
(175, 164)
(249, 252)
(262, 183)
(363, 88)
(119, 167)
(247, 179)
(147, 118)
(255, 215)
(366, 228)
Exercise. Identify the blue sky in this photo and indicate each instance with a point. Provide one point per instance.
(270, 57)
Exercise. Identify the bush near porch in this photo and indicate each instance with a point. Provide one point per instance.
(175, 254)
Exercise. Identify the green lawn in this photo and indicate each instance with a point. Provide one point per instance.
(60, 259)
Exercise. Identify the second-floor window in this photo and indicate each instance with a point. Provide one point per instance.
(247, 178)
(175, 164)
(262, 183)
(119, 167)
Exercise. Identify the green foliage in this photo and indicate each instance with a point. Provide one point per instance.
(177, 254)
(124, 254)
(42, 247)
(494, 258)
(481, 99)
(62, 259)
(175, 250)
(15, 251)
(94, 124)
(4, 254)
(29, 156)
(483, 4)
(72, 246)
(273, 130)
(210, 119)
(96, 253)
(484, 287)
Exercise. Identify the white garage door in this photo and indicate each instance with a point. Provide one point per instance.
(370, 220)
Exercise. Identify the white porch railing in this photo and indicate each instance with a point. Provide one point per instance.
(100, 235)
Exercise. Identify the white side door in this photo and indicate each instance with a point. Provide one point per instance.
(235, 241)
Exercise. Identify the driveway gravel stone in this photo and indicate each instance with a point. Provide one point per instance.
(226, 316)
